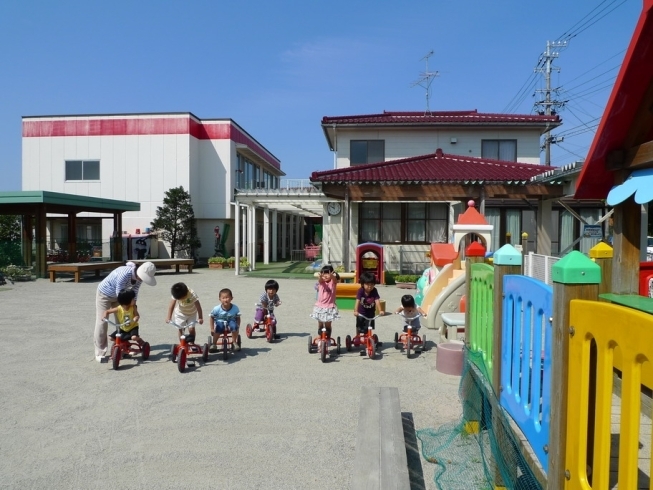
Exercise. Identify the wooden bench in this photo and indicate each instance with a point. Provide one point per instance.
(78, 267)
(169, 262)
(380, 461)
(452, 325)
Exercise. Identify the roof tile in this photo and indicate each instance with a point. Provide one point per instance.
(440, 117)
(434, 168)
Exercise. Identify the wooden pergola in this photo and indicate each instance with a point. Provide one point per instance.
(34, 206)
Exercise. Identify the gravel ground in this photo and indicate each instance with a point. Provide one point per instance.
(272, 417)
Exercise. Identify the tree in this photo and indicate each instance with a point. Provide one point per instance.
(10, 252)
(175, 222)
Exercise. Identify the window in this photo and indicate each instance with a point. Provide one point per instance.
(366, 151)
(82, 170)
(499, 150)
(403, 223)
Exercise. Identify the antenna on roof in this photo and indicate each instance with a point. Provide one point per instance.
(425, 80)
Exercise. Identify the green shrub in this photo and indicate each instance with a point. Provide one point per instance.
(406, 278)
(217, 260)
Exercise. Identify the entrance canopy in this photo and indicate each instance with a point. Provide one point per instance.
(35, 205)
(305, 201)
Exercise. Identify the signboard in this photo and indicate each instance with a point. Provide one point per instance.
(593, 231)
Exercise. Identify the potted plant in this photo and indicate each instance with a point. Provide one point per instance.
(244, 263)
(406, 281)
(217, 262)
(230, 262)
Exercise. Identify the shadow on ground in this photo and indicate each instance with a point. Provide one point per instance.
(415, 472)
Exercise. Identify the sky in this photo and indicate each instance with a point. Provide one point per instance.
(278, 67)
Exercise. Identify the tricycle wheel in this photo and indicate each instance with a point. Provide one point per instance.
(371, 348)
(376, 340)
(116, 354)
(269, 335)
(396, 340)
(225, 349)
(338, 345)
(348, 343)
(248, 331)
(408, 346)
(181, 360)
(205, 353)
(145, 351)
(424, 342)
(310, 344)
(323, 351)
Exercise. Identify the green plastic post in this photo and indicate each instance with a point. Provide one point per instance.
(576, 268)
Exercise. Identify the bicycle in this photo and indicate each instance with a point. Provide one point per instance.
(123, 345)
(267, 323)
(322, 344)
(186, 347)
(224, 341)
(368, 339)
(409, 340)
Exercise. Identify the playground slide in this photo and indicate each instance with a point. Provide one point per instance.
(439, 283)
(448, 301)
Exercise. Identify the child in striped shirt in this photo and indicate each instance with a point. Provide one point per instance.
(184, 308)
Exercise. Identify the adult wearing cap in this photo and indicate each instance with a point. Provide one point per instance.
(126, 276)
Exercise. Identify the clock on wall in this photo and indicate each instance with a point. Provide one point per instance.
(333, 208)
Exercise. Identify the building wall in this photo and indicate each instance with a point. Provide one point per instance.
(141, 157)
(409, 142)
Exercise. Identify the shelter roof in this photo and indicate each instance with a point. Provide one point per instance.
(627, 121)
(57, 202)
(436, 168)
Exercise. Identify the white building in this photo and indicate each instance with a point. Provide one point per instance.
(138, 157)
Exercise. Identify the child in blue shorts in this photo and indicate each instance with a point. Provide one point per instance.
(225, 312)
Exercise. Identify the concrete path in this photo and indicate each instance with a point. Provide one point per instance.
(273, 417)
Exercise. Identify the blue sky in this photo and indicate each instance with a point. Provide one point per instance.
(278, 67)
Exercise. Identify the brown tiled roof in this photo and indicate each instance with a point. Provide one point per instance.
(441, 117)
(433, 169)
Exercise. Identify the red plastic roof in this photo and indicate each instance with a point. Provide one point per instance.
(444, 117)
(435, 168)
(633, 81)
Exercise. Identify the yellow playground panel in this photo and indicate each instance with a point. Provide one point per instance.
(624, 340)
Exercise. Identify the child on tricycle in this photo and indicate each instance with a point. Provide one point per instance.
(225, 318)
(411, 313)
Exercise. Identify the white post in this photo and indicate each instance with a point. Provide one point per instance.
(252, 245)
(237, 238)
(274, 236)
(284, 235)
(291, 233)
(244, 229)
(266, 235)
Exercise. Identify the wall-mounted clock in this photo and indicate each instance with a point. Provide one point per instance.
(333, 208)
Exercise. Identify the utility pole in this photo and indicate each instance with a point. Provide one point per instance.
(425, 80)
(549, 105)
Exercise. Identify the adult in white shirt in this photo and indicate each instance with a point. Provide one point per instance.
(126, 276)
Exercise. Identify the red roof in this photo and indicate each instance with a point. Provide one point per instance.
(435, 168)
(442, 117)
(634, 80)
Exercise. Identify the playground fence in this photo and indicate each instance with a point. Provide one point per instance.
(539, 266)
(526, 358)
(606, 336)
(481, 314)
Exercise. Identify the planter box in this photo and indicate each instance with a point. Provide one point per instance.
(406, 285)
(216, 266)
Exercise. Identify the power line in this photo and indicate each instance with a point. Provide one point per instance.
(589, 20)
